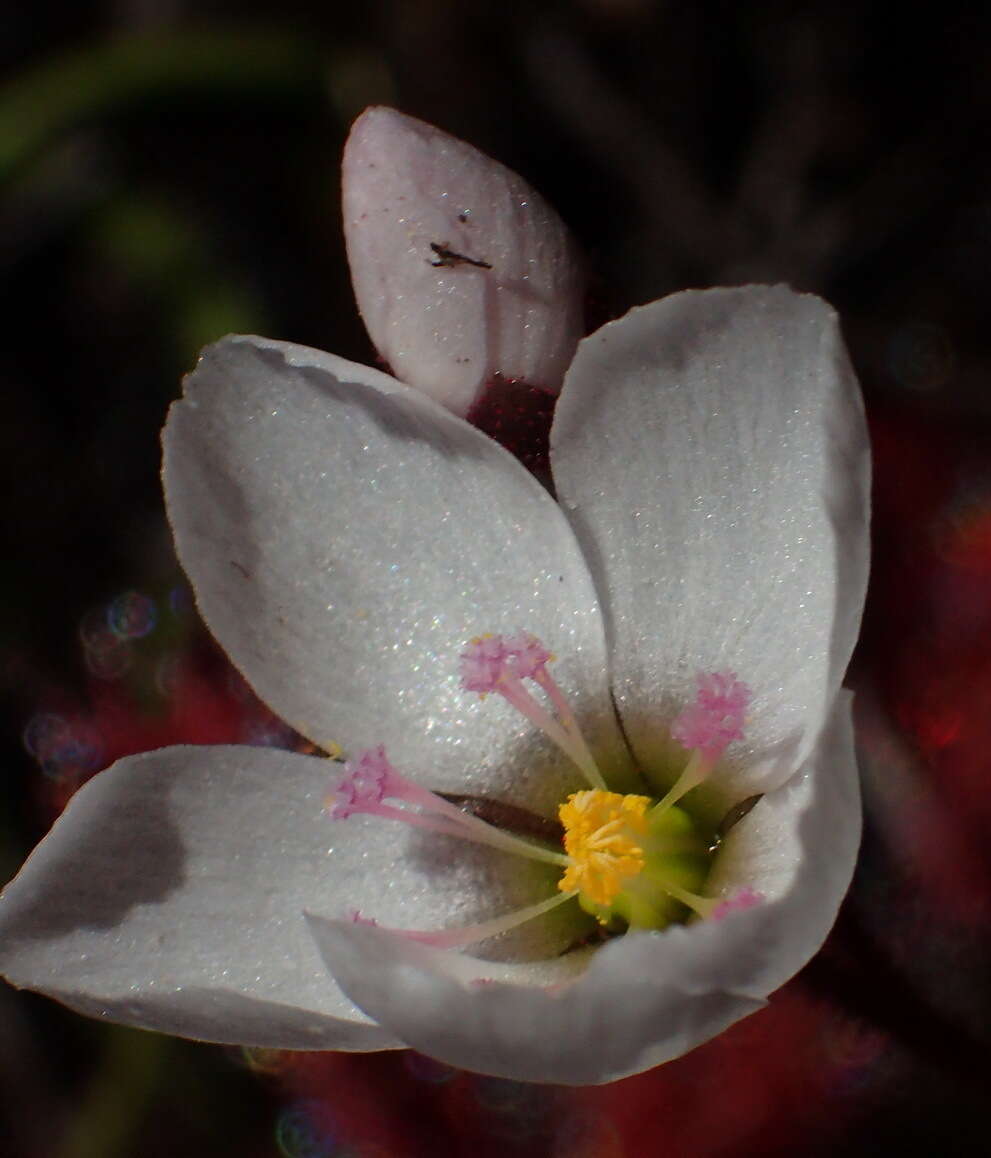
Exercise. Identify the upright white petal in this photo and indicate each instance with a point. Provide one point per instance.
(450, 328)
(643, 998)
(711, 452)
(346, 536)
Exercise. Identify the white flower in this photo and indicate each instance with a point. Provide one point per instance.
(462, 271)
(345, 536)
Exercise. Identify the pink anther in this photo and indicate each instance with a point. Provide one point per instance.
(368, 779)
(483, 664)
(716, 717)
(491, 660)
(527, 655)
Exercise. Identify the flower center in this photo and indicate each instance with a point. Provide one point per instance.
(604, 835)
(633, 864)
(631, 861)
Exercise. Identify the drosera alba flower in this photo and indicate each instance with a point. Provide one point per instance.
(462, 272)
(345, 535)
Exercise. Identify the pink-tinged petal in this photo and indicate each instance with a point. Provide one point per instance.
(345, 537)
(643, 998)
(737, 902)
(738, 537)
(170, 895)
(630, 1010)
(418, 203)
(797, 848)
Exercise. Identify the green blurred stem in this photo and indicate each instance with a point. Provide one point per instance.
(119, 1093)
(87, 83)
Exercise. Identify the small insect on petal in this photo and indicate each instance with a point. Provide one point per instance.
(463, 274)
(448, 259)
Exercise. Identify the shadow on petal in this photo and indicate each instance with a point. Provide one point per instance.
(139, 860)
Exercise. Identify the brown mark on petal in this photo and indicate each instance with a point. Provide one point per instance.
(509, 817)
(733, 818)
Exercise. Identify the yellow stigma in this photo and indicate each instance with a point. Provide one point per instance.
(603, 836)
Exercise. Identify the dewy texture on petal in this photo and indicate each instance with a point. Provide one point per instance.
(645, 997)
(169, 895)
(418, 203)
(345, 535)
(711, 452)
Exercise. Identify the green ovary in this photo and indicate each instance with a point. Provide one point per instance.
(676, 853)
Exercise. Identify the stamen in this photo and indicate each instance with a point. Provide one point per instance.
(529, 656)
(697, 769)
(513, 691)
(544, 679)
(708, 726)
(483, 663)
(472, 934)
(498, 663)
(415, 819)
(712, 908)
(370, 779)
(715, 719)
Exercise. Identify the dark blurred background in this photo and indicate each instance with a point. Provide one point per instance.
(169, 173)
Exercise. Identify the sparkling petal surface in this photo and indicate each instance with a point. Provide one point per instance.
(346, 536)
(711, 452)
(450, 329)
(643, 998)
(171, 894)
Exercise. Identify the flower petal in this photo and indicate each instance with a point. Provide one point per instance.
(442, 324)
(798, 848)
(346, 536)
(170, 895)
(647, 997)
(738, 537)
(628, 1012)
